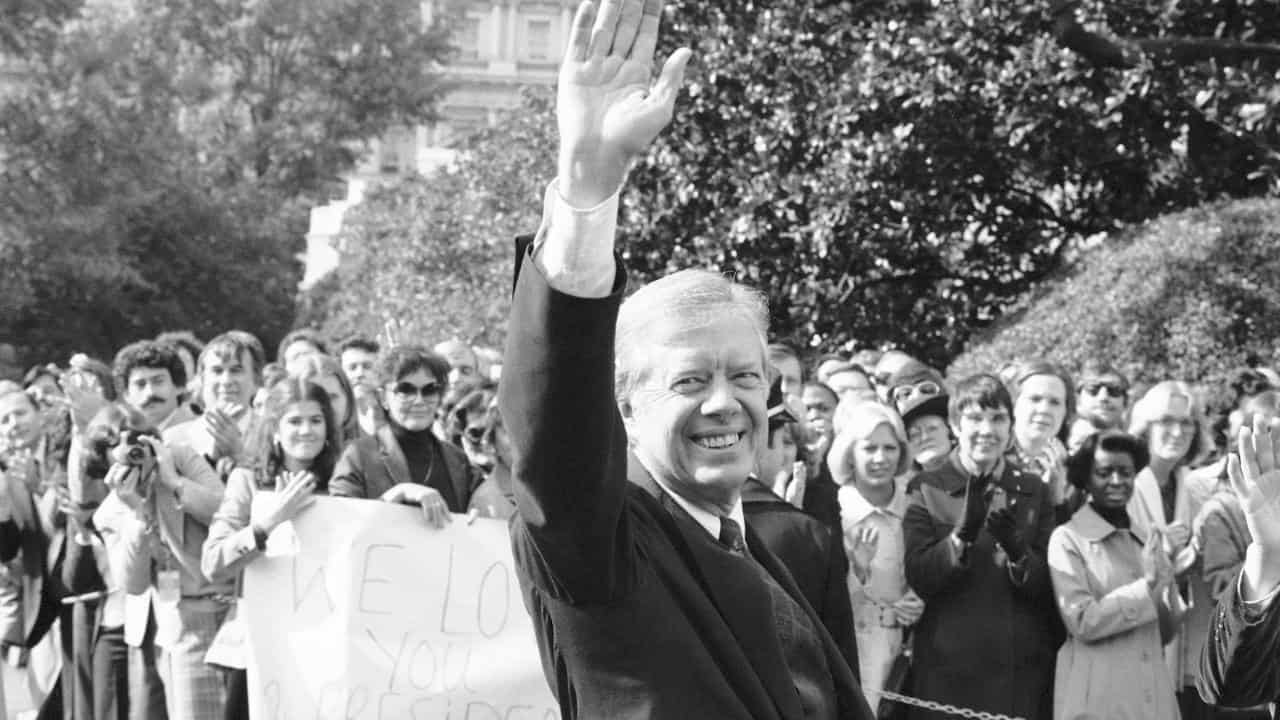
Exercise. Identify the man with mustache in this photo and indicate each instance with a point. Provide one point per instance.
(169, 625)
(150, 378)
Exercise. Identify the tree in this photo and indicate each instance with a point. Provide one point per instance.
(1187, 296)
(436, 253)
(898, 172)
(159, 163)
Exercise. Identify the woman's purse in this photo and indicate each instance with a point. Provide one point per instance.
(897, 681)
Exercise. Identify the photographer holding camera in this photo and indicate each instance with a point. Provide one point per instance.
(169, 611)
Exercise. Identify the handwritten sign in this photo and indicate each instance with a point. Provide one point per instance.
(370, 614)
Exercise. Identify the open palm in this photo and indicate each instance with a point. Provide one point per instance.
(1255, 476)
(608, 108)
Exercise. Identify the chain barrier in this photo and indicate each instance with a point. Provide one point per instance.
(940, 707)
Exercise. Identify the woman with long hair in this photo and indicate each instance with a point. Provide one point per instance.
(294, 446)
(325, 371)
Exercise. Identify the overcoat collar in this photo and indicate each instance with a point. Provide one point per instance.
(1092, 527)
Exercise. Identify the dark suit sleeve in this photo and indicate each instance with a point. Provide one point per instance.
(569, 476)
(10, 540)
(837, 612)
(348, 475)
(1238, 666)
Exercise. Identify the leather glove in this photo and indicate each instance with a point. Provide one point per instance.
(975, 508)
(1004, 528)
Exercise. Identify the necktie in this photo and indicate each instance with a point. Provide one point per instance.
(731, 537)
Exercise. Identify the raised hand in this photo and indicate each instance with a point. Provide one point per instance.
(293, 495)
(1003, 526)
(1255, 477)
(976, 502)
(790, 485)
(862, 544)
(608, 108)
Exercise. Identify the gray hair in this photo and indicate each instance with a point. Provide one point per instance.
(689, 298)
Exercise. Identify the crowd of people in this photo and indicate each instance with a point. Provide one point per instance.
(128, 514)
(704, 524)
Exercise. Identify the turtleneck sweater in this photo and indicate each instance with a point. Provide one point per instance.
(422, 455)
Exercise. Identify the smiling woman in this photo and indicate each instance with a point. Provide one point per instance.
(404, 462)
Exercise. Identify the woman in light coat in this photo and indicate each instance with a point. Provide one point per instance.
(1114, 584)
(867, 459)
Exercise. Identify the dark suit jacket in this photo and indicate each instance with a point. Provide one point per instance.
(814, 557)
(372, 465)
(639, 612)
(1240, 664)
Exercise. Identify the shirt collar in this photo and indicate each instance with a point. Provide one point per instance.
(708, 520)
(854, 507)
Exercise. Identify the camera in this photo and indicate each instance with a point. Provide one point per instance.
(131, 450)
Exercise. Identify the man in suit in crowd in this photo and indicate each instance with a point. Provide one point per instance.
(630, 457)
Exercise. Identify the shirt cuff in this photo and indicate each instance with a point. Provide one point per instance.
(1253, 611)
(574, 247)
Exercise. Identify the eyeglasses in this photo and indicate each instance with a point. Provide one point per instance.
(1112, 389)
(1169, 423)
(408, 391)
(475, 433)
(904, 392)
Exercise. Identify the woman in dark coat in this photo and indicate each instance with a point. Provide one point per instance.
(404, 461)
(976, 536)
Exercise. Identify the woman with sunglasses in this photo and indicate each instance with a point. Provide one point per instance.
(294, 446)
(404, 462)
(917, 392)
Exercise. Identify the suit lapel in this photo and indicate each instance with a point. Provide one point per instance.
(738, 592)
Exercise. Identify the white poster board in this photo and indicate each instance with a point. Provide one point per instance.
(361, 611)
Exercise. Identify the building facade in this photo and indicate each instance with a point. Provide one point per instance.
(504, 46)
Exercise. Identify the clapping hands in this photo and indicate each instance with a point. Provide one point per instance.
(294, 493)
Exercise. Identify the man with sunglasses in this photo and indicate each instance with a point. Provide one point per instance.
(404, 461)
(1102, 401)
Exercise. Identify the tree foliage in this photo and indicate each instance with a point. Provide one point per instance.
(435, 253)
(1188, 296)
(898, 172)
(159, 163)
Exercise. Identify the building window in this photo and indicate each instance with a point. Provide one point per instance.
(467, 38)
(537, 40)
